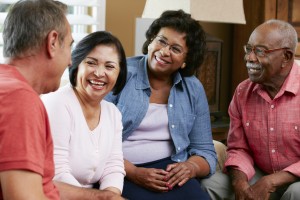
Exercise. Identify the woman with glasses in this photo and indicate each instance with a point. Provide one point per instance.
(167, 141)
(87, 130)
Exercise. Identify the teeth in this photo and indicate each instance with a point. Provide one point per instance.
(253, 70)
(97, 83)
(253, 67)
(160, 60)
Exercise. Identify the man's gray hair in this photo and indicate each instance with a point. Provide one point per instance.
(29, 22)
(290, 37)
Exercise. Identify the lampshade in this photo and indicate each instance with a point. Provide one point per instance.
(226, 11)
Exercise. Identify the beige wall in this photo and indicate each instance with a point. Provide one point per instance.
(120, 20)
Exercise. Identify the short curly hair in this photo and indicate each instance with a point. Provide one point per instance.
(195, 37)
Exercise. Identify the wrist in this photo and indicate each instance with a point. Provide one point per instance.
(240, 185)
(194, 168)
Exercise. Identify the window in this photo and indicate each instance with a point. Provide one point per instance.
(85, 16)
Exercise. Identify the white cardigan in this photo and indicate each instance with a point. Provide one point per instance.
(83, 157)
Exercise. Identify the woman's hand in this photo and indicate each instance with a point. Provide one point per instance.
(179, 173)
(151, 178)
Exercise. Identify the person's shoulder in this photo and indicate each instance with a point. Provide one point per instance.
(12, 81)
(134, 60)
(245, 88)
(245, 84)
(59, 96)
(192, 82)
(110, 107)
(133, 65)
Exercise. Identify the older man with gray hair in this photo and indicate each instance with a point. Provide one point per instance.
(263, 155)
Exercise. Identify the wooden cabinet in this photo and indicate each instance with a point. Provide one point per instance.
(256, 12)
(210, 76)
(210, 72)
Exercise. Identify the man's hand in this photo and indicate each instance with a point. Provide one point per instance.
(261, 190)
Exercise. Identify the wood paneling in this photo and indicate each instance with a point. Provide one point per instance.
(288, 10)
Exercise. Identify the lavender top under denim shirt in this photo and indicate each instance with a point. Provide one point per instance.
(188, 111)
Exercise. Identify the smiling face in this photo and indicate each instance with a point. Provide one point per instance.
(268, 69)
(97, 73)
(161, 60)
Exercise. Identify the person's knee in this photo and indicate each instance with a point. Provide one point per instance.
(292, 192)
(218, 186)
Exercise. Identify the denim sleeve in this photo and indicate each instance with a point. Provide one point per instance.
(111, 98)
(201, 142)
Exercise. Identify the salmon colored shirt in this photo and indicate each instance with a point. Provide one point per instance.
(265, 132)
(25, 137)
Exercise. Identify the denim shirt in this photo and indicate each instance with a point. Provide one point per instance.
(188, 111)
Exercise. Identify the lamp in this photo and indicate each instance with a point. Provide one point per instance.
(226, 11)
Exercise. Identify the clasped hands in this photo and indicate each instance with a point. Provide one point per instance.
(261, 190)
(160, 180)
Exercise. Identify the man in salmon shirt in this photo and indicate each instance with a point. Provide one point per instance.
(37, 49)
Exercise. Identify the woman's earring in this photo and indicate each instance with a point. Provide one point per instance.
(183, 65)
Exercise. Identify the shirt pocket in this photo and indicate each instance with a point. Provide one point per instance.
(290, 135)
(255, 132)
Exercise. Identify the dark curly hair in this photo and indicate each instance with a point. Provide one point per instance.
(195, 37)
(87, 44)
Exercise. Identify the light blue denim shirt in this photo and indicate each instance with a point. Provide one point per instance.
(188, 111)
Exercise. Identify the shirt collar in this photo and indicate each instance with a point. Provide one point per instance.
(291, 83)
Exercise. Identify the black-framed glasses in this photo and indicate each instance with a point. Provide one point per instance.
(162, 42)
(260, 51)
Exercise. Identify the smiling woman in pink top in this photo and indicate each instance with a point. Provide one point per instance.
(87, 130)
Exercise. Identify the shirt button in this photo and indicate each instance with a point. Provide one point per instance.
(171, 105)
(296, 127)
(178, 160)
(271, 129)
(247, 124)
(173, 126)
(272, 106)
(178, 148)
(273, 150)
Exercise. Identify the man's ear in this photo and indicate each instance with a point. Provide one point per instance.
(288, 55)
(52, 43)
